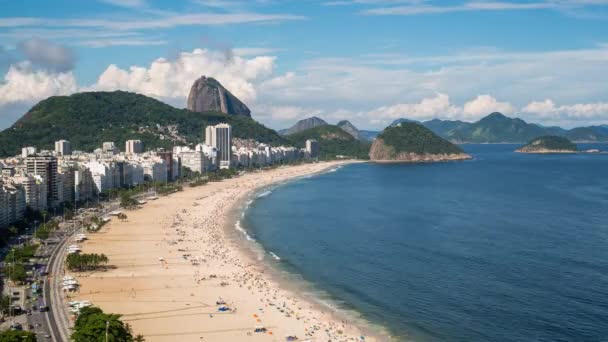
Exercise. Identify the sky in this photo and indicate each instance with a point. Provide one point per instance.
(367, 61)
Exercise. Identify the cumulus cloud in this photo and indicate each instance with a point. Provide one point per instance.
(427, 108)
(47, 54)
(547, 109)
(485, 104)
(23, 83)
(173, 79)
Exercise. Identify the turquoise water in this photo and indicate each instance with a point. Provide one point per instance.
(505, 247)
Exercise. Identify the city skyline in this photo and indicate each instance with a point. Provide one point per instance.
(367, 61)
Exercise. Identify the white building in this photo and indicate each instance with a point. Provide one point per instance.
(312, 148)
(220, 137)
(134, 147)
(109, 147)
(63, 148)
(27, 151)
(35, 190)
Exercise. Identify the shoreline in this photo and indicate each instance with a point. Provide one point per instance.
(292, 281)
(178, 255)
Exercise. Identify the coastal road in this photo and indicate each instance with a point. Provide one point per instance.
(58, 318)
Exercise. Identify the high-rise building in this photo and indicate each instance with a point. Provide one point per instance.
(28, 151)
(63, 148)
(312, 148)
(167, 156)
(65, 184)
(109, 147)
(45, 166)
(220, 137)
(83, 184)
(134, 147)
(35, 190)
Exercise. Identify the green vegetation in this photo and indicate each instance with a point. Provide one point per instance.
(549, 142)
(92, 325)
(20, 254)
(414, 138)
(5, 305)
(89, 119)
(221, 174)
(17, 336)
(333, 141)
(44, 230)
(14, 262)
(85, 262)
(126, 201)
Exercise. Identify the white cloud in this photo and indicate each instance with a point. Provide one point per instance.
(22, 83)
(427, 108)
(484, 105)
(173, 79)
(548, 109)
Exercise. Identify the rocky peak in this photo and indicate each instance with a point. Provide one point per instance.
(208, 95)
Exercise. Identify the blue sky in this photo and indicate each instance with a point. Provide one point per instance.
(368, 61)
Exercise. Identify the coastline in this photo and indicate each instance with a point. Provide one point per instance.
(177, 256)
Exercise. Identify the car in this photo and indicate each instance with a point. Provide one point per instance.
(44, 309)
(16, 326)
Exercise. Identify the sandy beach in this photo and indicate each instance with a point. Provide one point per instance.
(176, 266)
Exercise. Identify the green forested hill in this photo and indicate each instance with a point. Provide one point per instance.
(414, 138)
(549, 143)
(88, 119)
(333, 141)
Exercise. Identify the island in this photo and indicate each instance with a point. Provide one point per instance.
(548, 144)
(412, 142)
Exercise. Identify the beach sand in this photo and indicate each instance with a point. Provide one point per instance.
(175, 260)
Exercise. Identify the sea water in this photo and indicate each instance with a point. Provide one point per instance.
(505, 247)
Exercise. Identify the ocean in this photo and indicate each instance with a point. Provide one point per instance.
(504, 247)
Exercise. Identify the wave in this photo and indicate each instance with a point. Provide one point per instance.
(264, 194)
(276, 257)
(240, 228)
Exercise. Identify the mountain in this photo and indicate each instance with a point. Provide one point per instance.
(349, 128)
(303, 125)
(412, 142)
(443, 128)
(208, 95)
(402, 120)
(498, 128)
(88, 119)
(369, 135)
(548, 144)
(333, 141)
(587, 134)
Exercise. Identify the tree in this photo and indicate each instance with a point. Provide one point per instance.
(122, 216)
(126, 201)
(139, 338)
(17, 273)
(92, 325)
(5, 305)
(84, 262)
(17, 336)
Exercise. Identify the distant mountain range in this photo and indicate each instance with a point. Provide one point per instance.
(498, 128)
(494, 128)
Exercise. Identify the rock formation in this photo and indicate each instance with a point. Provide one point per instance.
(208, 95)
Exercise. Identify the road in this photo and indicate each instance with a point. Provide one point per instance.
(58, 318)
